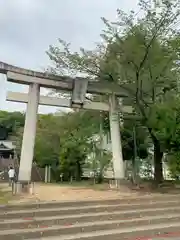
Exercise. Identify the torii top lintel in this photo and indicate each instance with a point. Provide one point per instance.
(26, 76)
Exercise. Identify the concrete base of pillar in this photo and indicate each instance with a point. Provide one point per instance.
(23, 188)
(116, 183)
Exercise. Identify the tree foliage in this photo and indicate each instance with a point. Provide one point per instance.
(141, 54)
(174, 164)
(47, 144)
(133, 134)
(66, 141)
(77, 129)
(63, 140)
(10, 122)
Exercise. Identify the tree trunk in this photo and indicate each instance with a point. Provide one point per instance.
(158, 169)
(78, 171)
(158, 155)
(135, 178)
(133, 171)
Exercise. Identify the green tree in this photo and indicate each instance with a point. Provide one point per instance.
(174, 164)
(11, 122)
(134, 145)
(47, 144)
(76, 131)
(168, 131)
(63, 140)
(140, 54)
(129, 140)
(72, 158)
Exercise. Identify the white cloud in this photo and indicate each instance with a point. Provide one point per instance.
(29, 26)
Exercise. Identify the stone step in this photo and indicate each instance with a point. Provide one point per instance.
(86, 209)
(144, 232)
(91, 220)
(57, 204)
(122, 228)
(68, 220)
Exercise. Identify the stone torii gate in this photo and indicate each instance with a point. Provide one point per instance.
(78, 87)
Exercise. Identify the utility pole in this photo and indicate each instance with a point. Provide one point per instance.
(135, 155)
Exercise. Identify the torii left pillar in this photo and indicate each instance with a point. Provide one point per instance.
(27, 150)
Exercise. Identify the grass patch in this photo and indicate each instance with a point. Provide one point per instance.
(83, 184)
(5, 196)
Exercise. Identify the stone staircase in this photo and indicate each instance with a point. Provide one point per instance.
(93, 220)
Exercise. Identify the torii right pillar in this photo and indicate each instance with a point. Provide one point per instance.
(118, 164)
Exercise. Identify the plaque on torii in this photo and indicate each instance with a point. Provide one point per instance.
(79, 92)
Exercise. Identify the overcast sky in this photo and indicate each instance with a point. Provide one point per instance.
(28, 27)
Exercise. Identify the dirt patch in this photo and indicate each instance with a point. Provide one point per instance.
(68, 192)
(55, 192)
(75, 193)
(164, 188)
